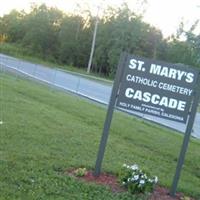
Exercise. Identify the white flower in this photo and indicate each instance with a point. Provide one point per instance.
(142, 182)
(150, 180)
(1, 122)
(124, 165)
(155, 179)
(136, 177)
(134, 167)
(123, 183)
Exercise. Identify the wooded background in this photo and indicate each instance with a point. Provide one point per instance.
(52, 35)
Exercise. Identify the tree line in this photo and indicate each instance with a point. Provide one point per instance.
(63, 38)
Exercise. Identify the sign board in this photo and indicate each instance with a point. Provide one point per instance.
(157, 88)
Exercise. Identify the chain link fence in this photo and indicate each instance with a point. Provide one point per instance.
(96, 89)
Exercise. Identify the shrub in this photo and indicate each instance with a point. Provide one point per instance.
(80, 172)
(136, 180)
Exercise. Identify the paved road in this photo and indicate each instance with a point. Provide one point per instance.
(81, 85)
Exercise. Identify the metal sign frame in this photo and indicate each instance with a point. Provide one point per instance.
(116, 87)
(109, 114)
(186, 137)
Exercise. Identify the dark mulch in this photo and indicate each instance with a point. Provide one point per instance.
(163, 193)
(159, 193)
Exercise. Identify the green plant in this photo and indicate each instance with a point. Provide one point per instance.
(80, 172)
(136, 180)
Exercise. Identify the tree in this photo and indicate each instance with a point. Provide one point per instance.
(123, 30)
(42, 27)
(185, 51)
(12, 26)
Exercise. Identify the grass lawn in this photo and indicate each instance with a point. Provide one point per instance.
(46, 132)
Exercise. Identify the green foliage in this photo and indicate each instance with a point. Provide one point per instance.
(12, 26)
(136, 180)
(80, 172)
(42, 26)
(15, 50)
(180, 52)
(123, 30)
(74, 41)
(185, 51)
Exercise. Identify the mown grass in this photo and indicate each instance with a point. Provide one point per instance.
(46, 132)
